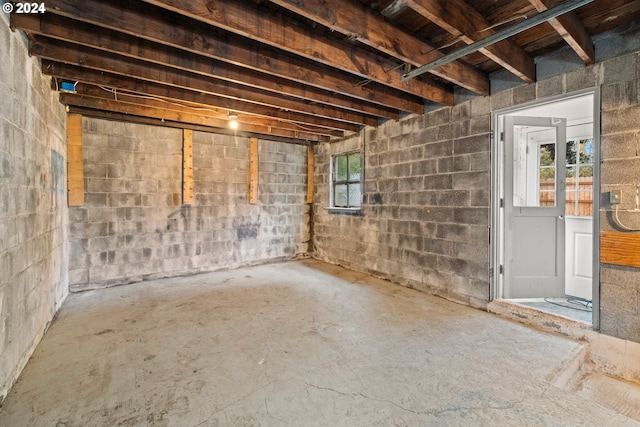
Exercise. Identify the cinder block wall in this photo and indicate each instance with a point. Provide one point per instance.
(133, 225)
(425, 215)
(620, 286)
(33, 214)
(424, 221)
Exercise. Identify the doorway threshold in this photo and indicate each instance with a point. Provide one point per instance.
(539, 313)
(569, 308)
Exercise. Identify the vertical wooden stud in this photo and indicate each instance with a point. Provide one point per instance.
(187, 166)
(75, 171)
(620, 248)
(310, 173)
(253, 171)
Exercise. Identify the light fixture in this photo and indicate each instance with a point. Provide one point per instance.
(233, 117)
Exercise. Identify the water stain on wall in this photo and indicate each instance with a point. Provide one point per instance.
(57, 172)
(247, 229)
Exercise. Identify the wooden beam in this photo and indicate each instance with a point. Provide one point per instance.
(109, 80)
(363, 24)
(620, 248)
(116, 64)
(310, 173)
(187, 167)
(127, 118)
(243, 18)
(159, 113)
(141, 20)
(69, 30)
(463, 21)
(253, 171)
(571, 29)
(75, 170)
(200, 110)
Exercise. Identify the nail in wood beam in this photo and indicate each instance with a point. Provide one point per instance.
(75, 171)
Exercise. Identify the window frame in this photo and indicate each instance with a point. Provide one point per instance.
(333, 181)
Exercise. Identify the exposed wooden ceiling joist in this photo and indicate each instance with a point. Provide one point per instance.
(466, 23)
(294, 70)
(196, 109)
(117, 83)
(173, 114)
(122, 117)
(571, 29)
(156, 25)
(248, 20)
(360, 23)
(499, 36)
(115, 64)
(110, 41)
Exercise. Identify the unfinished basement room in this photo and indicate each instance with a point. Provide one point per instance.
(320, 213)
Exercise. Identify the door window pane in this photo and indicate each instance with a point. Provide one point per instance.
(585, 203)
(580, 177)
(570, 206)
(586, 171)
(547, 175)
(571, 173)
(534, 166)
(586, 151)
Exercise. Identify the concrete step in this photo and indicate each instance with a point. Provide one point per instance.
(618, 395)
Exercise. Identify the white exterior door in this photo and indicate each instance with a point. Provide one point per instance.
(534, 202)
(579, 266)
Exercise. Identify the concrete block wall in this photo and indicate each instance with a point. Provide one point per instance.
(620, 286)
(424, 219)
(425, 213)
(134, 227)
(33, 213)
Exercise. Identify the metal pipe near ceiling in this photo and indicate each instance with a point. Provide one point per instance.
(499, 35)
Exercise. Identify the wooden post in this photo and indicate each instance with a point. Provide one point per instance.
(75, 171)
(310, 166)
(187, 167)
(253, 171)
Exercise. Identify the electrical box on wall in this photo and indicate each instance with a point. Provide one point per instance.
(612, 197)
(615, 197)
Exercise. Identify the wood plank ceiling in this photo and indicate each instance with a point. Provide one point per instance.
(300, 71)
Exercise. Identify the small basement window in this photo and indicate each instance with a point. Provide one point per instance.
(346, 188)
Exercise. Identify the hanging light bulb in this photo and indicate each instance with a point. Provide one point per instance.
(233, 124)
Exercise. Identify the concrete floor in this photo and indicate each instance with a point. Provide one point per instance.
(294, 344)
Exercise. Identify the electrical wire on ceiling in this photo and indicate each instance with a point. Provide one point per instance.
(451, 43)
(115, 93)
(506, 21)
(363, 83)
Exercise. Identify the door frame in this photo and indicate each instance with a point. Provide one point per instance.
(497, 232)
